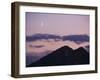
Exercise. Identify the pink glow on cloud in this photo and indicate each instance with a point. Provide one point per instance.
(51, 46)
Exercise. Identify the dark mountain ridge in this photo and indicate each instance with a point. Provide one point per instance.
(64, 56)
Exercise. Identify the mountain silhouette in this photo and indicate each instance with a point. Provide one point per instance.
(58, 57)
(81, 56)
(63, 56)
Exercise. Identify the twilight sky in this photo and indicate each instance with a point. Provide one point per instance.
(56, 24)
(60, 24)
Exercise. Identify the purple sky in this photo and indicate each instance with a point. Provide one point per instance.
(59, 24)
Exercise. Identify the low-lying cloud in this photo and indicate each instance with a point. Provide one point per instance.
(36, 46)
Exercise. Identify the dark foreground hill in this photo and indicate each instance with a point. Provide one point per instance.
(64, 56)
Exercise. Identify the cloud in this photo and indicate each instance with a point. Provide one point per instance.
(42, 36)
(36, 46)
(76, 38)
